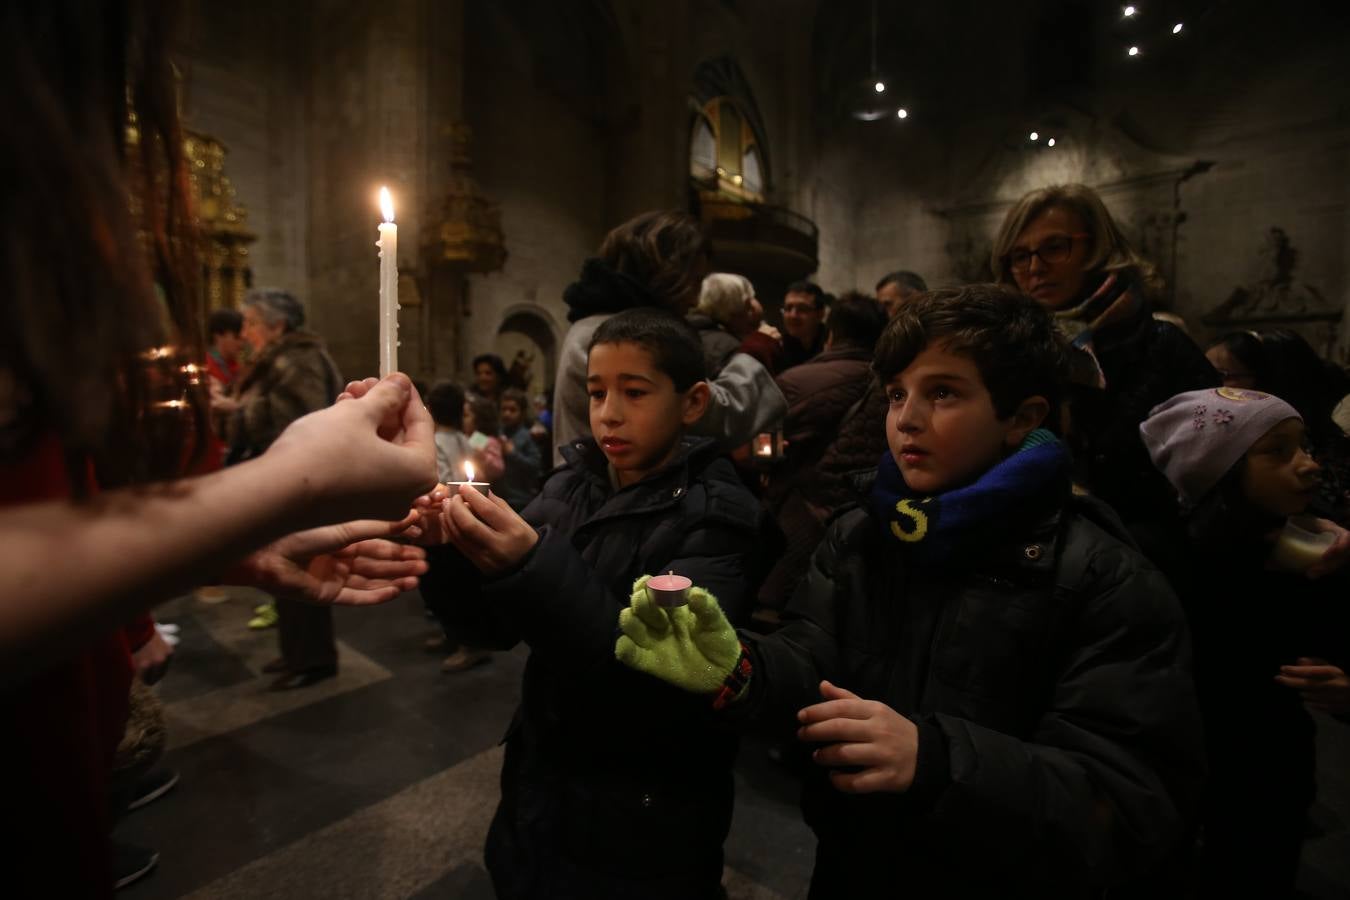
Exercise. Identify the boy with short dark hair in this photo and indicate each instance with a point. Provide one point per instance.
(994, 684)
(614, 785)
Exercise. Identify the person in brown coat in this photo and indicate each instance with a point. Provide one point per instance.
(292, 375)
(819, 393)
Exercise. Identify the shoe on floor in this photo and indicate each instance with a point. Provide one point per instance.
(304, 678)
(276, 666)
(131, 864)
(264, 619)
(436, 644)
(465, 658)
(151, 786)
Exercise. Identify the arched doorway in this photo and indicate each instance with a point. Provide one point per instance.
(526, 337)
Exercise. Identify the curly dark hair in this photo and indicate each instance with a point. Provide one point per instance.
(663, 250)
(1010, 337)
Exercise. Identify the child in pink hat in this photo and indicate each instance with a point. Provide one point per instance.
(1271, 632)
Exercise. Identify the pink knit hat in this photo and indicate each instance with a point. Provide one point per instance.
(1196, 437)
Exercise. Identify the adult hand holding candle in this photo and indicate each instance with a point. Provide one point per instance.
(388, 244)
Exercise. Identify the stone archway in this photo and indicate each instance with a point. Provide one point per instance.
(529, 333)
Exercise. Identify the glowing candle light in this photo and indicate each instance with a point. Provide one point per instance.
(479, 486)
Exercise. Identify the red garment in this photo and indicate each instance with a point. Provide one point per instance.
(60, 730)
(220, 370)
(765, 349)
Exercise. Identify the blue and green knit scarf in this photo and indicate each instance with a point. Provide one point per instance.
(936, 530)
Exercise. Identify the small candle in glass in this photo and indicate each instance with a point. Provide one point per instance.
(768, 445)
(1300, 546)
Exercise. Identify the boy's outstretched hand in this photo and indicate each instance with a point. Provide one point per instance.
(879, 745)
(487, 530)
(692, 647)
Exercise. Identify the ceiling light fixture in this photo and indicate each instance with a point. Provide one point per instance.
(863, 98)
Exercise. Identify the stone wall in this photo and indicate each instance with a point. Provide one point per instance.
(242, 84)
(580, 118)
(1274, 128)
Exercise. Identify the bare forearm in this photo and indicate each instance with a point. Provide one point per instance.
(71, 571)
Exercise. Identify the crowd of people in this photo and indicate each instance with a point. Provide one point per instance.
(1036, 594)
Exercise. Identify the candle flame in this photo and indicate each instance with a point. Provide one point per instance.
(386, 204)
(468, 472)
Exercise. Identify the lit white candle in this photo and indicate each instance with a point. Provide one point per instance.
(388, 244)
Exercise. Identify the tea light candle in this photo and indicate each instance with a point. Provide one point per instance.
(669, 590)
(480, 486)
(769, 445)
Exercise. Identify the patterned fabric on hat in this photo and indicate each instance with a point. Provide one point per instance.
(1196, 437)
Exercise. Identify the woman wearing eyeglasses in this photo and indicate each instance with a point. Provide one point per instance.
(1060, 246)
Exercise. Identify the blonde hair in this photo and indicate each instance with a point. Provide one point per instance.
(1110, 250)
(724, 296)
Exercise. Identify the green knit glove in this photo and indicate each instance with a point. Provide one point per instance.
(692, 647)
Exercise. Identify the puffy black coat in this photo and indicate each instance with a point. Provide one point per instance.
(1060, 748)
(615, 784)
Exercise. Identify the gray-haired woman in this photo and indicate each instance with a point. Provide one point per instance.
(291, 375)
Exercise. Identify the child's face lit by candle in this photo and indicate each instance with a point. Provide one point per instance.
(637, 416)
(470, 426)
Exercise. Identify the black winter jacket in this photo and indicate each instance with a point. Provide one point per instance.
(1145, 362)
(1059, 748)
(1247, 622)
(615, 784)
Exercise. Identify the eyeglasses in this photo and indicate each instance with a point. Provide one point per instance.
(1054, 249)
